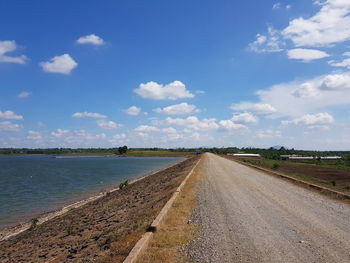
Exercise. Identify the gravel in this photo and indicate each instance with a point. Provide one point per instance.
(248, 216)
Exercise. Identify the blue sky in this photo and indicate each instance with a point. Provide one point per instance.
(175, 73)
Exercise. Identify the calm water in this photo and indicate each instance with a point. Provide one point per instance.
(30, 185)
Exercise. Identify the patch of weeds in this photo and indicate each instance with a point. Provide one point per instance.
(95, 236)
(123, 184)
(275, 166)
(34, 222)
(334, 183)
(347, 187)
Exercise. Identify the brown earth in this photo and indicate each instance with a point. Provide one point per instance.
(104, 230)
(317, 174)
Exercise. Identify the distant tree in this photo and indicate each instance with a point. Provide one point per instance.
(123, 149)
(347, 159)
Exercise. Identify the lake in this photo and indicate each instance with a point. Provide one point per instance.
(30, 185)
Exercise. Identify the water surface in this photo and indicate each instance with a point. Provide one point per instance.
(30, 185)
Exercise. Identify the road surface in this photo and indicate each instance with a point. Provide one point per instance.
(249, 216)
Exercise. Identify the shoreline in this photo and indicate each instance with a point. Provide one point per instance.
(17, 228)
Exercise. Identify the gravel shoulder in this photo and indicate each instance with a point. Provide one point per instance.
(249, 216)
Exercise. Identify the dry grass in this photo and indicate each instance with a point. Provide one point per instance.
(175, 230)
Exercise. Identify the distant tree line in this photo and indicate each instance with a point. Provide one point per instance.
(270, 153)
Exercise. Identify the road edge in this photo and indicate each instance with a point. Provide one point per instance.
(320, 189)
(142, 244)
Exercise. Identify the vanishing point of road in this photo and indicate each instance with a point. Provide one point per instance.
(249, 216)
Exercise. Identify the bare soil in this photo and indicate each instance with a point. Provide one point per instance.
(104, 230)
(335, 178)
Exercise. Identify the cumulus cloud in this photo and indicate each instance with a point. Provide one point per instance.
(271, 42)
(24, 94)
(146, 128)
(133, 111)
(9, 46)
(328, 26)
(172, 91)
(60, 132)
(259, 108)
(63, 64)
(230, 126)
(322, 119)
(34, 135)
(89, 115)
(91, 39)
(262, 134)
(119, 139)
(306, 55)
(245, 118)
(9, 126)
(10, 115)
(108, 125)
(191, 122)
(178, 109)
(297, 98)
(344, 63)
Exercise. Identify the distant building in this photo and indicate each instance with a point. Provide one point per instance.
(245, 154)
(300, 157)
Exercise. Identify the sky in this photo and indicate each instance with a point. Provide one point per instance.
(183, 73)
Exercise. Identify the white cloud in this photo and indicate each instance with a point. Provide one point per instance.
(336, 82)
(133, 111)
(63, 64)
(60, 133)
(267, 43)
(172, 91)
(146, 128)
(10, 115)
(108, 125)
(9, 126)
(34, 135)
(198, 91)
(328, 26)
(344, 63)
(178, 109)
(9, 46)
(262, 134)
(306, 90)
(306, 55)
(312, 120)
(230, 126)
(24, 94)
(191, 122)
(119, 139)
(245, 118)
(260, 108)
(169, 130)
(89, 115)
(91, 39)
(276, 5)
(298, 98)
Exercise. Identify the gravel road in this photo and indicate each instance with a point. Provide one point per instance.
(249, 216)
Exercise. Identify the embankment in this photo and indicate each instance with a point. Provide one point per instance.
(104, 230)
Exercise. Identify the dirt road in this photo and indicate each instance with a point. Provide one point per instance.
(248, 216)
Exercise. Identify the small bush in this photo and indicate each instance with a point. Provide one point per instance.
(124, 184)
(35, 222)
(275, 166)
(334, 183)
